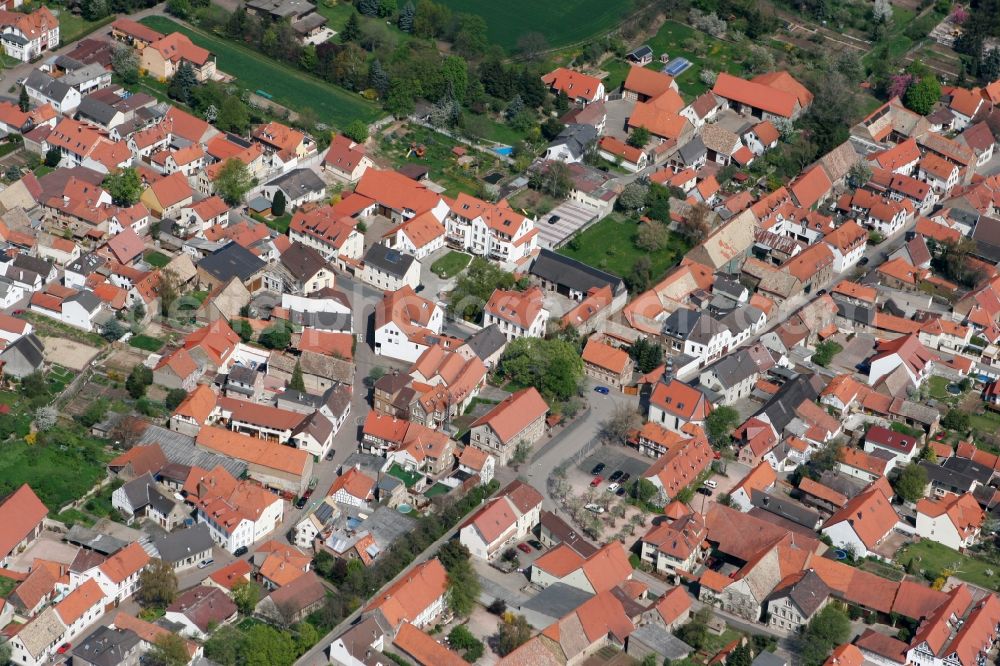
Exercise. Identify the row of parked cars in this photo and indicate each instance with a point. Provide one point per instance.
(616, 482)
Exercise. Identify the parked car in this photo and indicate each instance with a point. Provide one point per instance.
(596, 482)
(524, 548)
(603, 390)
(536, 544)
(617, 474)
(863, 262)
(821, 292)
(64, 648)
(331, 454)
(598, 468)
(612, 487)
(596, 508)
(300, 502)
(621, 491)
(206, 563)
(625, 477)
(240, 552)
(709, 483)
(705, 491)
(18, 312)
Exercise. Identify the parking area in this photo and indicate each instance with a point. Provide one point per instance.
(615, 459)
(49, 546)
(561, 222)
(855, 351)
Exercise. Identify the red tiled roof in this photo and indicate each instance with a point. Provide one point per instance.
(756, 94)
(20, 514)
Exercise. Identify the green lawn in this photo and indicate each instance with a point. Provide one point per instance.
(717, 55)
(437, 158)
(563, 22)
(279, 224)
(935, 558)
(287, 86)
(450, 264)
(336, 12)
(147, 342)
(73, 27)
(157, 259)
(610, 246)
(57, 473)
(437, 489)
(409, 479)
(7, 586)
(987, 422)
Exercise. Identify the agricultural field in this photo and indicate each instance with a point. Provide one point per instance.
(610, 246)
(286, 86)
(562, 23)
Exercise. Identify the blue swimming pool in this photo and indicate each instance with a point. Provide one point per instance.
(504, 150)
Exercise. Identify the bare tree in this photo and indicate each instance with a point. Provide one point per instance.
(622, 421)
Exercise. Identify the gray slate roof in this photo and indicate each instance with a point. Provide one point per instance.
(232, 260)
(180, 449)
(487, 341)
(389, 261)
(298, 183)
(573, 274)
(181, 544)
(106, 646)
(662, 641)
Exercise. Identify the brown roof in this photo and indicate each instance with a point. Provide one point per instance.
(509, 418)
(412, 594)
(204, 606)
(560, 561)
(647, 82)
(20, 514)
(79, 601)
(128, 561)
(423, 649)
(605, 356)
(143, 458)
(870, 515)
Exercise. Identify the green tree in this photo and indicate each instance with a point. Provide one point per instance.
(179, 8)
(658, 203)
(23, 101)
(644, 490)
(460, 638)
(378, 79)
(125, 63)
(741, 656)
(553, 367)
(367, 7)
(828, 456)
(34, 386)
(174, 398)
(95, 412)
(642, 272)
(243, 329)
(639, 137)
(233, 181)
(647, 355)
(653, 236)
(276, 336)
(828, 628)
(632, 198)
(113, 330)
(512, 632)
(911, 483)
(266, 646)
(168, 650)
(357, 131)
(225, 645)
(182, 83)
(278, 204)
(957, 420)
(695, 631)
(352, 29)
(406, 15)
(245, 594)
(297, 382)
(52, 157)
(719, 425)
(157, 584)
(463, 584)
(124, 186)
(825, 351)
(386, 8)
(138, 380)
(474, 288)
(233, 116)
(922, 95)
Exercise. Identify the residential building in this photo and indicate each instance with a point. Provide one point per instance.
(162, 58)
(506, 519)
(606, 364)
(864, 522)
(390, 270)
(518, 421)
(22, 515)
(406, 324)
(674, 405)
(495, 231)
(200, 610)
(952, 520)
(416, 598)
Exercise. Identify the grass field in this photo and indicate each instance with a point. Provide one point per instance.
(147, 342)
(935, 558)
(279, 224)
(287, 86)
(610, 246)
(718, 56)
(73, 27)
(56, 475)
(157, 259)
(450, 264)
(438, 158)
(562, 23)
